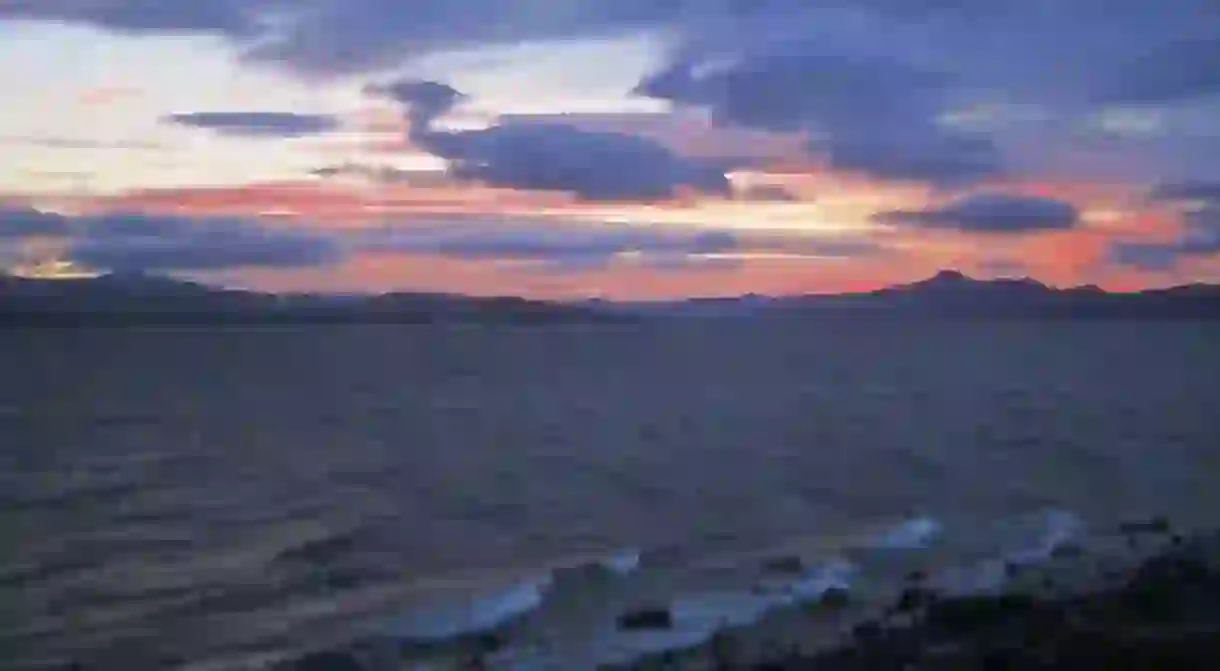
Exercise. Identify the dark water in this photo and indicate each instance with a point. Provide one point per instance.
(194, 498)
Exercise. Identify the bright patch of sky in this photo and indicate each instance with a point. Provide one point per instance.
(85, 108)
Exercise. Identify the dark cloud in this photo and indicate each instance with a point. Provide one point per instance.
(345, 36)
(424, 101)
(1185, 191)
(552, 157)
(27, 223)
(546, 241)
(552, 246)
(384, 174)
(127, 242)
(867, 112)
(1158, 256)
(1200, 238)
(871, 81)
(258, 124)
(591, 165)
(233, 17)
(990, 213)
(932, 156)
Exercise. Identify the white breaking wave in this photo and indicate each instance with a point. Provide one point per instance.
(479, 613)
(697, 617)
(1057, 529)
(623, 563)
(914, 534)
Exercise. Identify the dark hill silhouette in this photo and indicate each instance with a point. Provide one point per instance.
(139, 298)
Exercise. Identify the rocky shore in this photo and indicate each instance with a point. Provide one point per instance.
(1082, 613)
(1148, 600)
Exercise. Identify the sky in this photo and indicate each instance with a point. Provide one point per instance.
(636, 149)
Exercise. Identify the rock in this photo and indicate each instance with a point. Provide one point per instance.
(490, 641)
(836, 597)
(724, 651)
(647, 618)
(913, 598)
(965, 614)
(792, 564)
(867, 631)
(329, 660)
(1156, 525)
(1068, 551)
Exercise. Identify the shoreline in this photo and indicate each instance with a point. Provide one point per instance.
(1142, 597)
(1158, 608)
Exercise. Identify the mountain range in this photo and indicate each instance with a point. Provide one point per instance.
(140, 298)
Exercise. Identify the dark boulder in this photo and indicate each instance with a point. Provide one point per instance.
(1156, 525)
(913, 598)
(966, 614)
(329, 660)
(835, 597)
(646, 618)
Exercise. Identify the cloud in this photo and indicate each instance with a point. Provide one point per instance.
(229, 17)
(1200, 237)
(547, 242)
(765, 193)
(1163, 256)
(258, 124)
(18, 223)
(1206, 191)
(557, 246)
(347, 36)
(425, 101)
(989, 213)
(384, 174)
(867, 112)
(871, 82)
(56, 142)
(126, 242)
(593, 165)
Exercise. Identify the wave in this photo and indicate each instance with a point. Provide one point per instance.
(623, 563)
(913, 534)
(474, 615)
(695, 618)
(481, 612)
(1055, 529)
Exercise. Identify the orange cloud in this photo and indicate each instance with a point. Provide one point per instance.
(379, 272)
(1062, 258)
(334, 205)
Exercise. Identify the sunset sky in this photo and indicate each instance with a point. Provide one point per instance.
(617, 148)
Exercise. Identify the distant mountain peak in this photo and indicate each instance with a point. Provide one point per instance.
(949, 276)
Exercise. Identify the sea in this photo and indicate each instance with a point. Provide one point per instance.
(229, 497)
